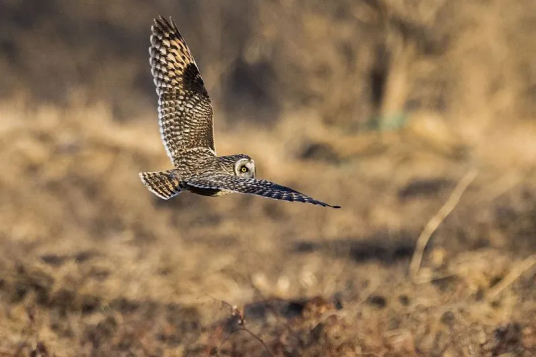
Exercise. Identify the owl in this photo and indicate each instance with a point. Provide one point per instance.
(186, 128)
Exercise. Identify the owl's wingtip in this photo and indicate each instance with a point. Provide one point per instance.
(324, 204)
(164, 24)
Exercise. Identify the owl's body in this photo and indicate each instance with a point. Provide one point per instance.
(186, 126)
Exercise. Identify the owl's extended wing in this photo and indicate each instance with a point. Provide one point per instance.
(184, 109)
(252, 186)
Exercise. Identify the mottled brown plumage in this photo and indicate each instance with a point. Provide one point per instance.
(186, 127)
(184, 106)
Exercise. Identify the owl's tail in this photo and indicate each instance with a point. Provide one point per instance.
(164, 184)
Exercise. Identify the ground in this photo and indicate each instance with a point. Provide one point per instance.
(382, 107)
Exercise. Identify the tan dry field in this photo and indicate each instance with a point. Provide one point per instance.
(383, 107)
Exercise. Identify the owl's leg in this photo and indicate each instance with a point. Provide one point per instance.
(164, 184)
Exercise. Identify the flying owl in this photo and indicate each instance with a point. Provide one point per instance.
(186, 127)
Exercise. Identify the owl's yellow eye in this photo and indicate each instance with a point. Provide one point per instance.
(244, 169)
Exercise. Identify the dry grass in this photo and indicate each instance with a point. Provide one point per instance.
(379, 106)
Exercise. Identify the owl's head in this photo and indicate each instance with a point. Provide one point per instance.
(244, 167)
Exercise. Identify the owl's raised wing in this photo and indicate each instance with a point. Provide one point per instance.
(252, 186)
(184, 108)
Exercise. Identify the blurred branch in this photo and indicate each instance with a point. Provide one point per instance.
(512, 276)
(238, 315)
(436, 220)
(258, 338)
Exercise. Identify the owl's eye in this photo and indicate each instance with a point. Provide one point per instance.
(244, 169)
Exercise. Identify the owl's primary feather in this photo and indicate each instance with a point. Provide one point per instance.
(264, 188)
(186, 127)
(184, 107)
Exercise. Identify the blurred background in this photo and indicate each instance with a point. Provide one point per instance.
(380, 106)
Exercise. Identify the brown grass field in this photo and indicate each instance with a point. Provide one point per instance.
(396, 110)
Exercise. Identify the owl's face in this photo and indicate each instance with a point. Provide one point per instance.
(245, 167)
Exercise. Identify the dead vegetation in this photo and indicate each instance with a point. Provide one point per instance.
(379, 106)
